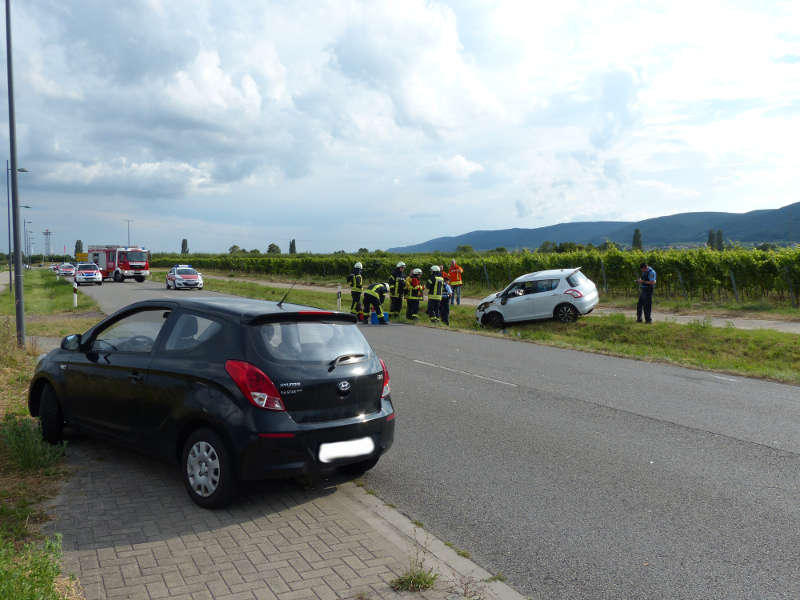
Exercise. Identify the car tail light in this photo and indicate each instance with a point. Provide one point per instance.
(255, 385)
(387, 389)
(574, 293)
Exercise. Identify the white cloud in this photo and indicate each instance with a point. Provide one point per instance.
(456, 167)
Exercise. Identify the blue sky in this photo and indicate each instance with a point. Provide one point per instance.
(376, 124)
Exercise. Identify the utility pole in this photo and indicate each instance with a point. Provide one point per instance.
(129, 231)
(19, 300)
(47, 233)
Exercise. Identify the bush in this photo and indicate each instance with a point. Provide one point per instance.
(24, 445)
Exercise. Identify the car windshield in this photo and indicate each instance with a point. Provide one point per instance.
(137, 257)
(186, 272)
(316, 341)
(87, 268)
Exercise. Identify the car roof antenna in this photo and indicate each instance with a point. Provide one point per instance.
(286, 294)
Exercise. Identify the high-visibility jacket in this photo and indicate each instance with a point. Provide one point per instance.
(435, 285)
(372, 290)
(455, 275)
(397, 285)
(415, 288)
(356, 281)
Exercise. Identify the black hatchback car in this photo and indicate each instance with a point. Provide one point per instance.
(231, 388)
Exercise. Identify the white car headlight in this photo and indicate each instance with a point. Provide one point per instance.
(483, 306)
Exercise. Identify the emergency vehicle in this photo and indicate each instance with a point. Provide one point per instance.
(120, 263)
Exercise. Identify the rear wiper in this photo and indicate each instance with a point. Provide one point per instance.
(340, 359)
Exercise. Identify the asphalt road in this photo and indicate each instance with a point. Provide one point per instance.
(584, 476)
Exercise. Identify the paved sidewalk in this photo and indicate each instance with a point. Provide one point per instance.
(131, 531)
(737, 322)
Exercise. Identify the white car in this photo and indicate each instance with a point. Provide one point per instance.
(88, 273)
(66, 270)
(560, 294)
(184, 277)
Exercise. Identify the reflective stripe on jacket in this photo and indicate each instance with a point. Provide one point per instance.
(435, 285)
(415, 288)
(455, 275)
(371, 291)
(356, 282)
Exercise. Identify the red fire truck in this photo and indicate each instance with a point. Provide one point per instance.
(120, 263)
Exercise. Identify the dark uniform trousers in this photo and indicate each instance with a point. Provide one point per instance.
(645, 304)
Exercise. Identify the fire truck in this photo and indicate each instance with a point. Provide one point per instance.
(120, 263)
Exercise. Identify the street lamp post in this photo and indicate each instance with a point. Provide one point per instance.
(8, 199)
(129, 231)
(19, 301)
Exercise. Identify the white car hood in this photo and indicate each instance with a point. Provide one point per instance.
(489, 298)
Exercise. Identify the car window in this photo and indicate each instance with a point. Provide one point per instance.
(134, 333)
(576, 279)
(191, 332)
(311, 341)
(186, 272)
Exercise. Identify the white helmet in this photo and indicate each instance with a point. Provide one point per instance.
(357, 266)
(435, 269)
(386, 288)
(416, 271)
(401, 265)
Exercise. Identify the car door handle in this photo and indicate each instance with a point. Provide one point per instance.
(136, 377)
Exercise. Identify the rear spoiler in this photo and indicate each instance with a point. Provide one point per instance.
(575, 271)
(299, 316)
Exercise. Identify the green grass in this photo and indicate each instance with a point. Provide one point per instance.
(757, 353)
(497, 577)
(44, 295)
(30, 572)
(415, 579)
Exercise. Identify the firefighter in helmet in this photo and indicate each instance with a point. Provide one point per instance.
(414, 290)
(435, 286)
(356, 282)
(397, 288)
(373, 298)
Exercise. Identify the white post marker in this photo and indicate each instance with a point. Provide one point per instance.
(74, 294)
(339, 297)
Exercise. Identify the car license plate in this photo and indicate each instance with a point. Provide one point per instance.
(349, 449)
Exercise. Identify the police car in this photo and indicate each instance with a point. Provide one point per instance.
(182, 277)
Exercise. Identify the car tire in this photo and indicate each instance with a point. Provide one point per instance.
(99, 283)
(118, 277)
(207, 470)
(139, 279)
(565, 313)
(360, 467)
(167, 284)
(493, 319)
(50, 416)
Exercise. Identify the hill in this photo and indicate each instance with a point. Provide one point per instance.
(781, 225)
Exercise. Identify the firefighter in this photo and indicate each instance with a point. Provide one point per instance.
(356, 282)
(435, 285)
(447, 293)
(414, 290)
(456, 281)
(397, 283)
(373, 297)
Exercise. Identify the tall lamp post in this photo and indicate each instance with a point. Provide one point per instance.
(8, 204)
(129, 231)
(26, 241)
(19, 301)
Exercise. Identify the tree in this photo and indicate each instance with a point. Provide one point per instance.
(711, 243)
(465, 249)
(273, 249)
(234, 249)
(608, 245)
(78, 247)
(362, 251)
(500, 250)
(637, 239)
(292, 247)
(255, 251)
(718, 245)
(184, 246)
(547, 247)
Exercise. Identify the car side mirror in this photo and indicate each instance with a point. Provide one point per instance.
(504, 299)
(71, 342)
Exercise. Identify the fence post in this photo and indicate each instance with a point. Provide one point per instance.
(683, 287)
(486, 276)
(733, 283)
(339, 297)
(790, 283)
(74, 294)
(603, 271)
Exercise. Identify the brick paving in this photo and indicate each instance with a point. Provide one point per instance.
(130, 531)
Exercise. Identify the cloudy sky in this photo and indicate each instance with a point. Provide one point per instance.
(345, 124)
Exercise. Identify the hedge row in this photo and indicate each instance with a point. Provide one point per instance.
(698, 272)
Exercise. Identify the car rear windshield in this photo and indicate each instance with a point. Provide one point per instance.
(577, 278)
(316, 341)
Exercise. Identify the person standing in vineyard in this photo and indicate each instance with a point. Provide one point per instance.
(456, 281)
(397, 283)
(414, 290)
(647, 282)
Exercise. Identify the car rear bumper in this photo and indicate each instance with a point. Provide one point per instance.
(281, 457)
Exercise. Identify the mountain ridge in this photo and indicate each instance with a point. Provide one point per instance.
(781, 225)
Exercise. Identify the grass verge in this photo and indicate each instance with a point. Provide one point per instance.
(755, 353)
(48, 306)
(30, 471)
